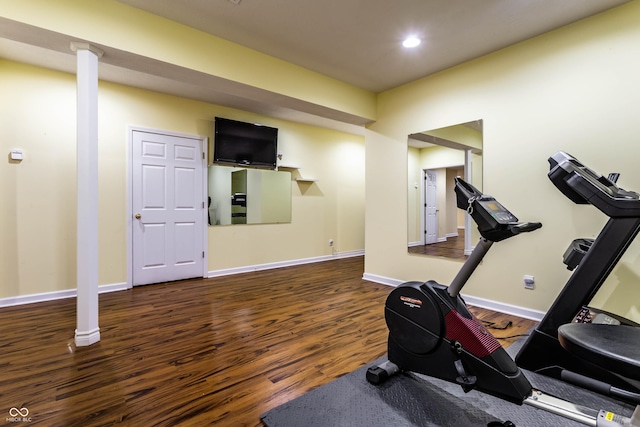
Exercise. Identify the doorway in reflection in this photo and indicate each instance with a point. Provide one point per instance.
(248, 196)
(436, 227)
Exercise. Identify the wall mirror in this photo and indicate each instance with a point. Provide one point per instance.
(436, 227)
(248, 196)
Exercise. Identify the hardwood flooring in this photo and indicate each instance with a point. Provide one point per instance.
(452, 248)
(197, 352)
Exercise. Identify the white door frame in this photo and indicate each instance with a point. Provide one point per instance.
(423, 207)
(130, 220)
(468, 244)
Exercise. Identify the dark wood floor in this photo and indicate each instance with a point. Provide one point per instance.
(452, 248)
(198, 352)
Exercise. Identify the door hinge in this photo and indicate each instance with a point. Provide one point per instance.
(202, 205)
(202, 254)
(203, 155)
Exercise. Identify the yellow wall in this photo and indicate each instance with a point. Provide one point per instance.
(460, 134)
(38, 209)
(275, 204)
(112, 24)
(37, 195)
(574, 89)
(331, 208)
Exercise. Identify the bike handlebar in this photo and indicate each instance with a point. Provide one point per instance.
(525, 227)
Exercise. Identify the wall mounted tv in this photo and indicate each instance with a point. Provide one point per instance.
(244, 144)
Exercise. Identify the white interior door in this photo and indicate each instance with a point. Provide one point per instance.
(431, 207)
(168, 205)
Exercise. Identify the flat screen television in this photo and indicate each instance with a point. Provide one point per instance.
(244, 144)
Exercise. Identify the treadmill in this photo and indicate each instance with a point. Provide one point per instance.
(601, 357)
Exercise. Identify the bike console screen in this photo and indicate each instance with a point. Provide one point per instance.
(494, 221)
(497, 211)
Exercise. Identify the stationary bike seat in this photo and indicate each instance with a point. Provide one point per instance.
(614, 347)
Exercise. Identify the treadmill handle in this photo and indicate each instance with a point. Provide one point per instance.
(524, 227)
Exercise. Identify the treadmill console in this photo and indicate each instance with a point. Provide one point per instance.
(583, 185)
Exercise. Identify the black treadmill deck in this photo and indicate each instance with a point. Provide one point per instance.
(613, 347)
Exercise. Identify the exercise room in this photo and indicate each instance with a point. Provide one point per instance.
(241, 213)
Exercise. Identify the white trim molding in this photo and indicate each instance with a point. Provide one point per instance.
(85, 338)
(514, 310)
(71, 293)
(280, 264)
(55, 295)
(382, 280)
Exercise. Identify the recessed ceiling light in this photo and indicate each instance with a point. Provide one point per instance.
(411, 41)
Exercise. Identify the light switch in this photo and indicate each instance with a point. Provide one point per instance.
(16, 155)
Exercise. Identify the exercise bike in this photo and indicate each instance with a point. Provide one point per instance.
(432, 332)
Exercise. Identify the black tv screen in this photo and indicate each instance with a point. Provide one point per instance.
(245, 144)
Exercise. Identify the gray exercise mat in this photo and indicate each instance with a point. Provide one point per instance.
(418, 400)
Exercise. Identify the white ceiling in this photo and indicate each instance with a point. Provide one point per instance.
(356, 41)
(359, 41)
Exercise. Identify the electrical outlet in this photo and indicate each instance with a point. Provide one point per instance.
(529, 282)
(330, 242)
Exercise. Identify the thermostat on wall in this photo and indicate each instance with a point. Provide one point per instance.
(16, 155)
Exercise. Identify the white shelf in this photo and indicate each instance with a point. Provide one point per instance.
(306, 180)
(288, 167)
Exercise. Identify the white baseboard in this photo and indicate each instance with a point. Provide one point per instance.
(448, 235)
(280, 264)
(103, 289)
(51, 296)
(382, 280)
(514, 310)
(501, 307)
(478, 302)
(71, 293)
(86, 338)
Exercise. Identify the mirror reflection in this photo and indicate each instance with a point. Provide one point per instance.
(436, 227)
(248, 196)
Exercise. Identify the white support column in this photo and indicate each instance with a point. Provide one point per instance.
(87, 330)
(468, 244)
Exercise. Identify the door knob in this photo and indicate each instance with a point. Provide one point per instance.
(138, 216)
